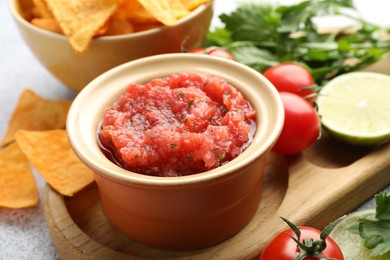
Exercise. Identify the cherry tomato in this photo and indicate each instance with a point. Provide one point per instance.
(214, 51)
(199, 51)
(221, 53)
(301, 125)
(291, 77)
(283, 247)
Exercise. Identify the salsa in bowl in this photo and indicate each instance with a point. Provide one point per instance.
(179, 212)
(178, 125)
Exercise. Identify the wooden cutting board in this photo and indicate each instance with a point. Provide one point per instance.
(313, 188)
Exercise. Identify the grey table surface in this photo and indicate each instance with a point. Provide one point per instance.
(24, 232)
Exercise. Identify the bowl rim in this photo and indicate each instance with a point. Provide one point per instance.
(197, 11)
(117, 173)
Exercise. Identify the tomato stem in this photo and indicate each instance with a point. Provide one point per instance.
(310, 247)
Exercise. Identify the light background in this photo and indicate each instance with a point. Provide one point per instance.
(23, 232)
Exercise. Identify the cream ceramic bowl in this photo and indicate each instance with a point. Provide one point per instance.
(177, 212)
(75, 70)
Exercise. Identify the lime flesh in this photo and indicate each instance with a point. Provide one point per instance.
(355, 108)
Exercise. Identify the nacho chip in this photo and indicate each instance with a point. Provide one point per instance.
(17, 183)
(161, 10)
(134, 11)
(193, 4)
(51, 154)
(143, 16)
(49, 24)
(146, 26)
(36, 113)
(40, 9)
(178, 8)
(102, 30)
(81, 19)
(127, 9)
(117, 26)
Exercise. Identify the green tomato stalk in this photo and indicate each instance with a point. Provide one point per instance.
(310, 247)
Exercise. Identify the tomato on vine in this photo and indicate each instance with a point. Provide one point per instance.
(301, 243)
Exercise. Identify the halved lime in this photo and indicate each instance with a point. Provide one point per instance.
(351, 244)
(355, 107)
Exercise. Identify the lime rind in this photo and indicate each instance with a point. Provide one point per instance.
(350, 243)
(355, 108)
(356, 139)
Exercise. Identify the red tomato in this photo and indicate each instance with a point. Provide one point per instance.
(214, 51)
(199, 51)
(221, 53)
(301, 125)
(291, 77)
(283, 247)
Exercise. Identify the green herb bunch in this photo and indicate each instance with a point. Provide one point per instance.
(261, 35)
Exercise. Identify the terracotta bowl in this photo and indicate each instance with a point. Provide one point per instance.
(178, 212)
(75, 70)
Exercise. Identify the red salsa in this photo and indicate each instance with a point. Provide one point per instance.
(178, 125)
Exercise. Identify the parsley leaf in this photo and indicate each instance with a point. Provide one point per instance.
(383, 206)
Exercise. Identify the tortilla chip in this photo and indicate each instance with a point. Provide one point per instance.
(178, 8)
(135, 12)
(102, 30)
(49, 24)
(143, 16)
(161, 10)
(35, 113)
(81, 19)
(193, 4)
(40, 9)
(117, 26)
(146, 26)
(51, 154)
(127, 9)
(17, 183)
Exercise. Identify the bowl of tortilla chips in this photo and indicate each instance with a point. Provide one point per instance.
(77, 40)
